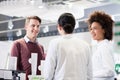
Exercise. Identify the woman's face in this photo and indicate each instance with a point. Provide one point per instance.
(96, 31)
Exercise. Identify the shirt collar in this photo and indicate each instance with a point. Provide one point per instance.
(102, 41)
(67, 36)
(28, 40)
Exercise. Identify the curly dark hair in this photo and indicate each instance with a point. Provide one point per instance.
(104, 20)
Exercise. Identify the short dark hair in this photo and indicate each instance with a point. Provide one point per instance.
(67, 21)
(32, 17)
(104, 20)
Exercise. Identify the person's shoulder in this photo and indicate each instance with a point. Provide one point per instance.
(55, 40)
(81, 41)
(105, 43)
(21, 40)
(40, 45)
(85, 43)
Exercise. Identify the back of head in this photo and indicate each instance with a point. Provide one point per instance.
(67, 21)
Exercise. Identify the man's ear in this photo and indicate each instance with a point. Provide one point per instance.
(25, 27)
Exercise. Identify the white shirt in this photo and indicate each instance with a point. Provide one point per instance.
(68, 58)
(28, 40)
(103, 61)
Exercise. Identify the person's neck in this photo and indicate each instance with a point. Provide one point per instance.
(32, 39)
(63, 33)
(101, 39)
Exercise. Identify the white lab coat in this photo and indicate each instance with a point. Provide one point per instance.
(103, 61)
(68, 58)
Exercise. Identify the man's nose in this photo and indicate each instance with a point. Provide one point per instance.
(36, 28)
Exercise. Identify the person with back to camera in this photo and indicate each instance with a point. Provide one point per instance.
(101, 29)
(68, 57)
(22, 48)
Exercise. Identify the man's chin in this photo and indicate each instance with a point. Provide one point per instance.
(34, 36)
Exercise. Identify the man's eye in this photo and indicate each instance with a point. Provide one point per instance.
(33, 25)
(38, 26)
(90, 29)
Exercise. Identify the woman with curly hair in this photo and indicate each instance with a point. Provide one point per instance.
(101, 29)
